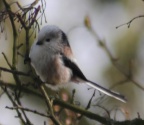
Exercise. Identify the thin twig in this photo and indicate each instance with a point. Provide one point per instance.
(14, 104)
(108, 113)
(6, 60)
(129, 23)
(15, 40)
(50, 105)
(19, 46)
(25, 89)
(28, 110)
(23, 112)
(14, 71)
(89, 103)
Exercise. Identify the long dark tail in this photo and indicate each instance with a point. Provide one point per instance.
(78, 73)
(107, 92)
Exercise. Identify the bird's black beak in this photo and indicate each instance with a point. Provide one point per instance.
(39, 43)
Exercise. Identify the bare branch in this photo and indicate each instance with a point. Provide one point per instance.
(50, 105)
(129, 23)
(28, 110)
(6, 60)
(14, 71)
(14, 104)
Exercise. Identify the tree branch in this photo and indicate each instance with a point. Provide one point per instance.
(49, 105)
(129, 23)
(14, 72)
(28, 110)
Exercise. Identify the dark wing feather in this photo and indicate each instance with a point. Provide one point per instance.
(75, 69)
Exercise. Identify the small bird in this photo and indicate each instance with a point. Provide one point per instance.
(52, 58)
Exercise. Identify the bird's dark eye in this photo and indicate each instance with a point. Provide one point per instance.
(48, 40)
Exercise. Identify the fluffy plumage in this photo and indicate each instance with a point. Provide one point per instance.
(53, 61)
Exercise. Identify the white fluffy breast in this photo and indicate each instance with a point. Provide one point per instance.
(49, 66)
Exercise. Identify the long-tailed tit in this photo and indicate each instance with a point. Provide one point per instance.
(52, 58)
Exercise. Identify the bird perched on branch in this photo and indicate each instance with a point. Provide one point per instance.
(52, 58)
